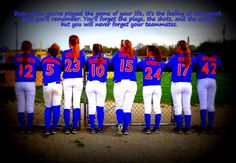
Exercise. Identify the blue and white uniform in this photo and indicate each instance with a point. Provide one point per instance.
(152, 74)
(125, 86)
(96, 89)
(52, 90)
(25, 88)
(181, 89)
(206, 86)
(73, 85)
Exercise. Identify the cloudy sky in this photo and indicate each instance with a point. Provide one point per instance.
(49, 32)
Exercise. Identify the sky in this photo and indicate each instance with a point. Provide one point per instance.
(50, 32)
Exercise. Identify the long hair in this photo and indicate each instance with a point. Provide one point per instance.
(207, 48)
(74, 41)
(97, 49)
(184, 47)
(26, 47)
(127, 45)
(156, 52)
(54, 50)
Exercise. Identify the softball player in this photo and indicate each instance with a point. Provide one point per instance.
(52, 88)
(207, 65)
(125, 87)
(73, 61)
(96, 86)
(181, 88)
(26, 64)
(152, 73)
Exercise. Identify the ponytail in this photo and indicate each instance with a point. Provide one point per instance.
(186, 51)
(26, 48)
(127, 45)
(156, 52)
(97, 49)
(74, 41)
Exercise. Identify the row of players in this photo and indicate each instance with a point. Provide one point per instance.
(125, 87)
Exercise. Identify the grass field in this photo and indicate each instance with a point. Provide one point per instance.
(222, 97)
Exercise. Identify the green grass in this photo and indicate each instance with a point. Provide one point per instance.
(223, 95)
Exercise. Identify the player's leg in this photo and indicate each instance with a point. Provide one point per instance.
(56, 105)
(128, 102)
(90, 92)
(211, 103)
(30, 100)
(20, 96)
(47, 93)
(202, 94)
(177, 102)
(187, 93)
(101, 97)
(77, 90)
(119, 91)
(147, 98)
(67, 86)
(157, 107)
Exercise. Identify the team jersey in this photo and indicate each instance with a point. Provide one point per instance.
(51, 67)
(207, 66)
(124, 66)
(180, 73)
(97, 72)
(72, 68)
(152, 71)
(26, 73)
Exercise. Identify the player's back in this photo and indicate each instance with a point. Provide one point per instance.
(152, 71)
(180, 73)
(51, 67)
(73, 66)
(124, 66)
(207, 66)
(27, 72)
(97, 71)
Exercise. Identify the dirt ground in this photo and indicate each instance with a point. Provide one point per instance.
(136, 147)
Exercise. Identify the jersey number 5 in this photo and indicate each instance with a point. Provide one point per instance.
(205, 68)
(50, 70)
(126, 66)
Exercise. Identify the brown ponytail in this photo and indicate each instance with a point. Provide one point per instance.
(155, 52)
(127, 45)
(26, 48)
(184, 47)
(74, 41)
(97, 49)
(54, 50)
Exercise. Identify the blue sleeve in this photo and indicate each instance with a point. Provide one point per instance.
(170, 62)
(38, 62)
(83, 57)
(219, 62)
(141, 64)
(163, 65)
(193, 59)
(114, 57)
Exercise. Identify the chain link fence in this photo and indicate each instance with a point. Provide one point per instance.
(9, 109)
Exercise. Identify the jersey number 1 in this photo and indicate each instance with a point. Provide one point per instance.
(28, 74)
(98, 70)
(180, 67)
(126, 66)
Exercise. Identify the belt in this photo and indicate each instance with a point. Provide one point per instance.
(46, 84)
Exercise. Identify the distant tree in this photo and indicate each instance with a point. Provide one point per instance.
(164, 50)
